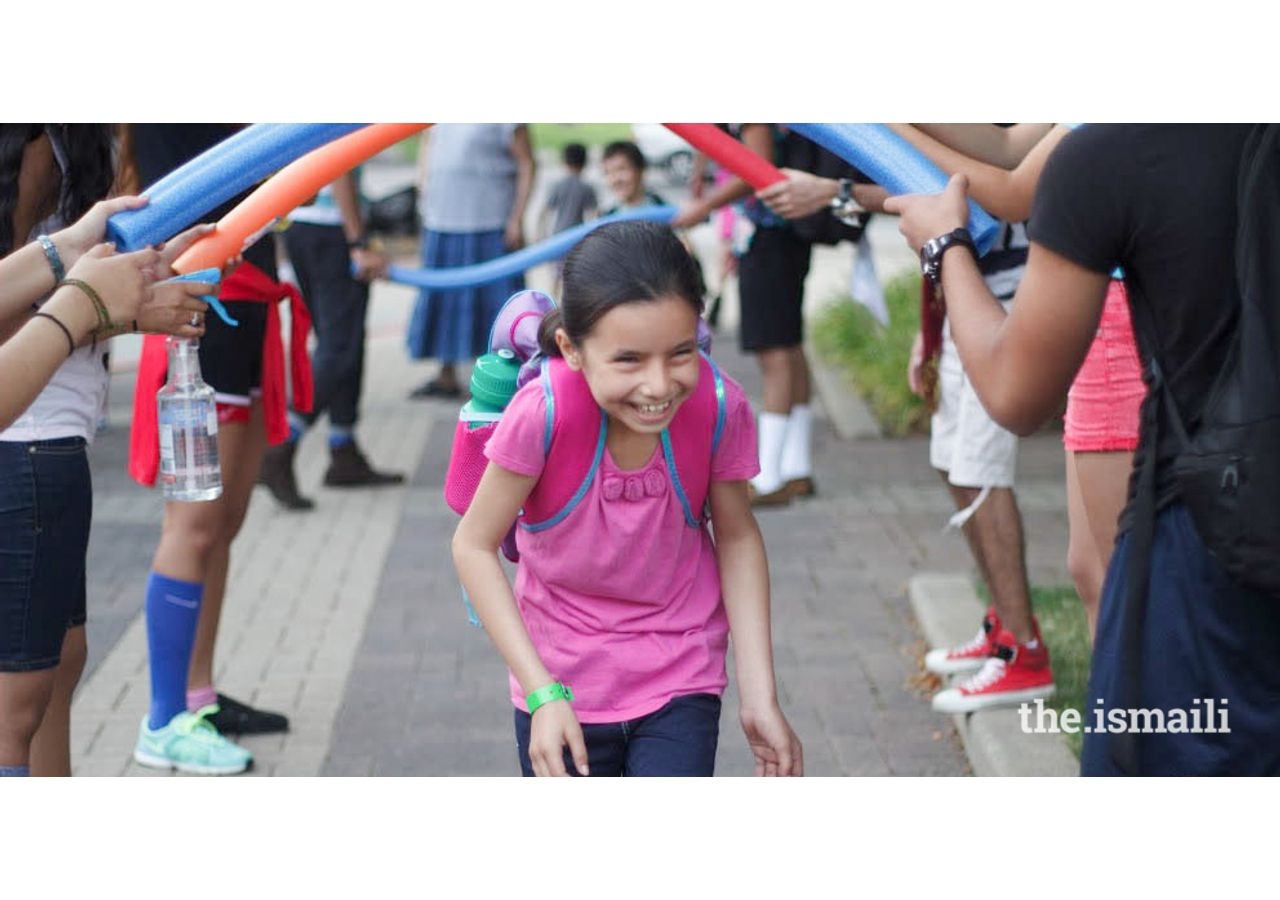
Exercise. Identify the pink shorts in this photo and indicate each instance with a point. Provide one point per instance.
(1104, 400)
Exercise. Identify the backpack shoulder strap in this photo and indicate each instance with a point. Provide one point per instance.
(573, 439)
(691, 440)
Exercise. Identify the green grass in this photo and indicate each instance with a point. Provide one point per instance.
(876, 357)
(554, 135)
(1066, 633)
(545, 135)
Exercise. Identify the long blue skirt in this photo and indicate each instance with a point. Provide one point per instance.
(453, 325)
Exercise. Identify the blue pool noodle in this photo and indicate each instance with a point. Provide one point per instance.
(891, 162)
(552, 248)
(223, 171)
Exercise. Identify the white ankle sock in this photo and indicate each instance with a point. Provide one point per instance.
(797, 449)
(773, 433)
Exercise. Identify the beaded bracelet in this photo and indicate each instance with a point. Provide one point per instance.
(104, 317)
(54, 258)
(71, 342)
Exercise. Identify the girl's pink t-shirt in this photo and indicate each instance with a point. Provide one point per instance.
(622, 598)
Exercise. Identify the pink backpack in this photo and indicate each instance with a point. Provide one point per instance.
(574, 437)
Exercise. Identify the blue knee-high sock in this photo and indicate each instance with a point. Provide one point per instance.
(173, 608)
(14, 771)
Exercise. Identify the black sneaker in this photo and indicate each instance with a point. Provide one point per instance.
(234, 717)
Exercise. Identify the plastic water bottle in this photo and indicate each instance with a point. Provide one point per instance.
(493, 384)
(188, 413)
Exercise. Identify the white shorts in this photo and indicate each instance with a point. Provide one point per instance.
(965, 442)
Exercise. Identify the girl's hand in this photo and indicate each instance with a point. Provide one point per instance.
(74, 241)
(927, 216)
(554, 725)
(777, 749)
(172, 308)
(121, 279)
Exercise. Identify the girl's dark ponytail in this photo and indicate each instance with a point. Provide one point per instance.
(547, 332)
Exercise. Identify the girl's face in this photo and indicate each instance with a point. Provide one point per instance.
(624, 179)
(640, 361)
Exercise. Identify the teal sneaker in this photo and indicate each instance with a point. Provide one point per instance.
(190, 744)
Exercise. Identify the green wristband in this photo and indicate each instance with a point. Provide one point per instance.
(543, 695)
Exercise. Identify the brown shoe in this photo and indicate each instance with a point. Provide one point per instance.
(802, 487)
(780, 497)
(277, 474)
(349, 468)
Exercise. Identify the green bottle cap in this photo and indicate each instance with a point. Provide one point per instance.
(493, 381)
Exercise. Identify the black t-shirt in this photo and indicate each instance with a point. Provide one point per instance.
(1160, 202)
(158, 149)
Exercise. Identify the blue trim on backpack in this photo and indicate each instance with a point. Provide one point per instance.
(720, 403)
(582, 489)
(669, 455)
(551, 406)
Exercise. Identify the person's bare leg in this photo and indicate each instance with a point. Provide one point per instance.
(963, 497)
(241, 458)
(1104, 487)
(51, 746)
(1084, 564)
(448, 377)
(776, 367)
(24, 697)
(800, 377)
(997, 529)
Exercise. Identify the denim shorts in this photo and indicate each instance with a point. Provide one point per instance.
(46, 503)
(677, 740)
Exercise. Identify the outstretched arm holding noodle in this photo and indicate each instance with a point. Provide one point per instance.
(1004, 191)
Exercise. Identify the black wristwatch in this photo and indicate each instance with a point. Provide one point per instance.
(931, 253)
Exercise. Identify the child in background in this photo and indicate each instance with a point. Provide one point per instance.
(624, 167)
(617, 631)
(571, 201)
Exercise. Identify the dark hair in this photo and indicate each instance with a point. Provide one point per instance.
(89, 176)
(629, 150)
(575, 156)
(623, 262)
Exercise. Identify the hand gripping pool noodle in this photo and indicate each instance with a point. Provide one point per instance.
(214, 177)
(288, 188)
(493, 270)
(891, 162)
(734, 155)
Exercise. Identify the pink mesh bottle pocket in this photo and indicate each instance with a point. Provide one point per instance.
(467, 463)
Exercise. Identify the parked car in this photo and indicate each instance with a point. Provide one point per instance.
(665, 151)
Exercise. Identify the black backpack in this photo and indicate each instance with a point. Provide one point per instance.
(1228, 470)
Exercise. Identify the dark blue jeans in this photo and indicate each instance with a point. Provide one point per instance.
(1204, 638)
(338, 304)
(46, 503)
(677, 740)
